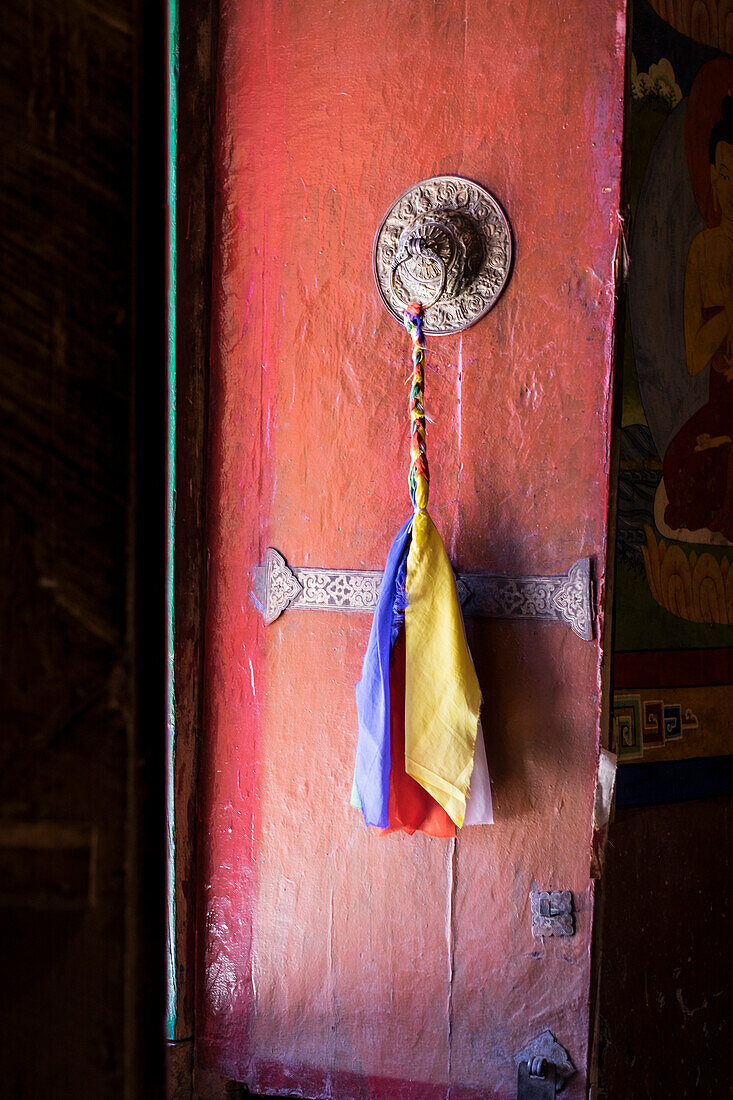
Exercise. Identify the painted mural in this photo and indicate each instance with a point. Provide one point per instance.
(674, 564)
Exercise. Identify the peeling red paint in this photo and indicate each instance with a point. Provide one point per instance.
(333, 960)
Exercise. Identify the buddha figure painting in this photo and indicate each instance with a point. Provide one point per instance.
(696, 491)
(680, 435)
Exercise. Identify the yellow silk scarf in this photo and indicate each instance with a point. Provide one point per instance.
(442, 694)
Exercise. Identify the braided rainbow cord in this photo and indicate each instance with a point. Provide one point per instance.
(419, 477)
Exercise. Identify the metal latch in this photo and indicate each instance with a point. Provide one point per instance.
(542, 1060)
(536, 1080)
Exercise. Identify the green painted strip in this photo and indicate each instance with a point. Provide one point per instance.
(173, 58)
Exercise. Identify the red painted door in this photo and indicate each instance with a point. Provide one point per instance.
(334, 961)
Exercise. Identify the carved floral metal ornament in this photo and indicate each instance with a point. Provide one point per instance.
(563, 597)
(446, 243)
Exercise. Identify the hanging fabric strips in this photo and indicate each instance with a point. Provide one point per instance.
(420, 745)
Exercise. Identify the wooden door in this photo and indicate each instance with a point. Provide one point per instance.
(334, 961)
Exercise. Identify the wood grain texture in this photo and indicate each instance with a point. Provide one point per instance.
(66, 132)
(71, 751)
(665, 993)
(180, 1070)
(195, 212)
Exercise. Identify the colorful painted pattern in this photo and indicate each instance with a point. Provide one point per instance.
(640, 724)
(695, 586)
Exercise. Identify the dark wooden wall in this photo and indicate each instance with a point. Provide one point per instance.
(82, 402)
(666, 1010)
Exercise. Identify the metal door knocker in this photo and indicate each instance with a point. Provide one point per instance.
(446, 243)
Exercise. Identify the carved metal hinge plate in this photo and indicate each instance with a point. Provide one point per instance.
(562, 597)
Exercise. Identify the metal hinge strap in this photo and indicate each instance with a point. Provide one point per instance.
(561, 597)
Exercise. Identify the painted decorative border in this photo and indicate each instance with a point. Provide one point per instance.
(650, 724)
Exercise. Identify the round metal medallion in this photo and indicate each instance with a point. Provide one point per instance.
(446, 243)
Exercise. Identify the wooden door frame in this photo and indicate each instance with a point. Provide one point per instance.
(194, 175)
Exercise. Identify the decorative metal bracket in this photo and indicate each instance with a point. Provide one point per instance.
(562, 597)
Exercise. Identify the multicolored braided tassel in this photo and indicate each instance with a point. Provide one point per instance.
(419, 476)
